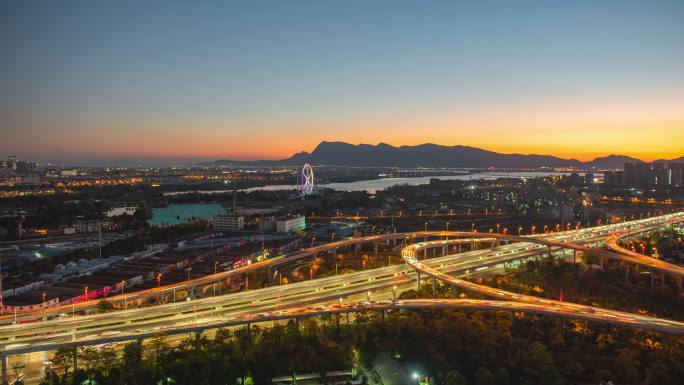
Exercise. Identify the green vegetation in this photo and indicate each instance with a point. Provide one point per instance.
(452, 347)
(605, 288)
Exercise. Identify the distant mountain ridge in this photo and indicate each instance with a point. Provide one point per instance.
(428, 155)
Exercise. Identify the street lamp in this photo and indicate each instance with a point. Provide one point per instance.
(425, 228)
(189, 270)
(497, 228)
(123, 282)
(159, 280)
(519, 230)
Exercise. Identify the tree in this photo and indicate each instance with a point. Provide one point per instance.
(104, 306)
(484, 376)
(108, 358)
(627, 366)
(155, 348)
(454, 377)
(574, 370)
(131, 362)
(502, 376)
(63, 358)
(90, 356)
(603, 375)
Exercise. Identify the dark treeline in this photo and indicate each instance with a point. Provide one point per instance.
(451, 347)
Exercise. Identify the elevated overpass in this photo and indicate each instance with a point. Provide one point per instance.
(350, 292)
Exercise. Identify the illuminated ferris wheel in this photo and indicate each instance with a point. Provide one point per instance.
(306, 182)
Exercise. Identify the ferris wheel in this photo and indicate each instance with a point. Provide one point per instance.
(306, 182)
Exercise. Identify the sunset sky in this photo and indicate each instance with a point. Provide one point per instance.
(83, 81)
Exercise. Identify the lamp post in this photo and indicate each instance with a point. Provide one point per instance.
(189, 270)
(520, 231)
(122, 292)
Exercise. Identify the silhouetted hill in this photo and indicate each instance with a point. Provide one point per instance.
(676, 160)
(428, 155)
(612, 161)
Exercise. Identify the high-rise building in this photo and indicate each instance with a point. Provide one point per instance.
(12, 162)
(676, 174)
(657, 174)
(613, 178)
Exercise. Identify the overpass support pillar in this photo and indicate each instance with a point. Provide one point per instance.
(375, 248)
(652, 277)
(444, 250)
(550, 255)
(459, 247)
(425, 253)
(602, 262)
(74, 356)
(574, 257)
(473, 245)
(627, 272)
(418, 280)
(5, 378)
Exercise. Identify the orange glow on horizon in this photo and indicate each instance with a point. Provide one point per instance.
(646, 130)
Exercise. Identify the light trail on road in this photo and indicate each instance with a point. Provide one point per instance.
(326, 295)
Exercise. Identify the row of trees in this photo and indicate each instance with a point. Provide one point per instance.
(451, 347)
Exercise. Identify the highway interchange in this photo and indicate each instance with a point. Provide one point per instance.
(375, 289)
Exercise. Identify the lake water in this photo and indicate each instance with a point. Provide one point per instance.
(380, 184)
(182, 213)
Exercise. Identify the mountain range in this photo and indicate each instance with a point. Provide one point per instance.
(429, 155)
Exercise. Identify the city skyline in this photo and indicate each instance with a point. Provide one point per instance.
(85, 83)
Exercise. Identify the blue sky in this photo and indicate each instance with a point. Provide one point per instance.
(264, 79)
